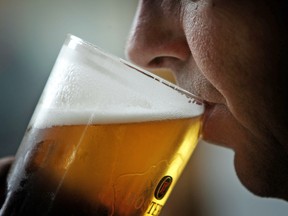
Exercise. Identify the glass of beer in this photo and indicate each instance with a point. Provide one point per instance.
(106, 138)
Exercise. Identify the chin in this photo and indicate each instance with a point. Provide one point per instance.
(261, 162)
(267, 179)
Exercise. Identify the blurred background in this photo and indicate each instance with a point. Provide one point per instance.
(31, 35)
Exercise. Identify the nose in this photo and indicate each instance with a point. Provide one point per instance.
(157, 39)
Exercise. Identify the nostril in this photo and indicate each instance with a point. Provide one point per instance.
(163, 62)
(156, 62)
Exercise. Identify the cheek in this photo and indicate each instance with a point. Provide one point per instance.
(231, 51)
(209, 38)
(233, 47)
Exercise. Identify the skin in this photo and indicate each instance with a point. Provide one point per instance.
(231, 53)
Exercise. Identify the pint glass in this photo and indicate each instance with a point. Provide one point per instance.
(106, 138)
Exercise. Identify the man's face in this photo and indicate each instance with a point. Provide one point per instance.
(230, 54)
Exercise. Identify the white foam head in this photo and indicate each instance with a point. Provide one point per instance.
(89, 86)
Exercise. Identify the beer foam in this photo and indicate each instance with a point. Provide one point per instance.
(49, 117)
(89, 86)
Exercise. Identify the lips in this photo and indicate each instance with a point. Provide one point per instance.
(209, 107)
(219, 125)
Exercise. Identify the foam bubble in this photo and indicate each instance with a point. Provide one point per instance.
(87, 86)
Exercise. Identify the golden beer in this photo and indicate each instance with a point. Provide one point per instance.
(111, 169)
(105, 139)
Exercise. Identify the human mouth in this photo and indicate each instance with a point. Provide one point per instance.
(217, 123)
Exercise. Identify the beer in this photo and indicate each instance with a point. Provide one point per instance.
(110, 169)
(106, 138)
